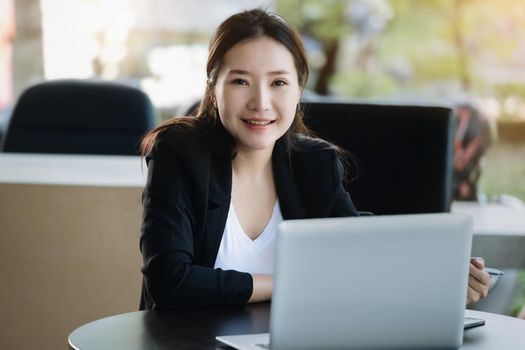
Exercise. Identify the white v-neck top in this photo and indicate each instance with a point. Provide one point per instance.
(239, 252)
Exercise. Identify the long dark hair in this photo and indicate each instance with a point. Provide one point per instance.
(241, 26)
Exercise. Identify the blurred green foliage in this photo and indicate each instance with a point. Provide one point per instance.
(430, 49)
(519, 296)
(504, 170)
(320, 19)
(363, 84)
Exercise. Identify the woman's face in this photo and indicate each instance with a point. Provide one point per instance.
(257, 92)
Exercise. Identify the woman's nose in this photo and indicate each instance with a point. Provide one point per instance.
(260, 99)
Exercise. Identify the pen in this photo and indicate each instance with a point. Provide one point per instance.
(494, 272)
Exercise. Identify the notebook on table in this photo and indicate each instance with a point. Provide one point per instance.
(368, 283)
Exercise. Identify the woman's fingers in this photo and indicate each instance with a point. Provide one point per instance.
(478, 283)
(481, 275)
(478, 262)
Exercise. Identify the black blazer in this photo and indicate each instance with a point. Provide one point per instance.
(186, 202)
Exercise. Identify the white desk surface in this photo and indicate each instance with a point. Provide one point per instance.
(499, 231)
(83, 170)
(126, 171)
(493, 218)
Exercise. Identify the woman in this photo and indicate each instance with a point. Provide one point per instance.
(220, 182)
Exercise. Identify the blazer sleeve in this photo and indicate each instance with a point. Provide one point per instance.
(167, 243)
(343, 205)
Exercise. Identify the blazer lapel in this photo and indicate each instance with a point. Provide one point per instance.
(220, 181)
(290, 199)
(219, 197)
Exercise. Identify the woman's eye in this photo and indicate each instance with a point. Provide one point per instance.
(239, 82)
(279, 83)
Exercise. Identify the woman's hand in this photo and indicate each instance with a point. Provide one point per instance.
(262, 288)
(478, 281)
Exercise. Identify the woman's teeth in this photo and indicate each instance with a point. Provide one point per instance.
(253, 122)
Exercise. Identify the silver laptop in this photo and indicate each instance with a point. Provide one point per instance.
(368, 283)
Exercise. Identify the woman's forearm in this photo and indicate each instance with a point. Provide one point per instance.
(262, 288)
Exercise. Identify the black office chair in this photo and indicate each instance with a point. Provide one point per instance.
(79, 117)
(405, 153)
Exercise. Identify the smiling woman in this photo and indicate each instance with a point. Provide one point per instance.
(220, 183)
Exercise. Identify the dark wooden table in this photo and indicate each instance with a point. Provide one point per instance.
(197, 329)
(181, 329)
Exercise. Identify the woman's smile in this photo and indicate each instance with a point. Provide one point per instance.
(258, 123)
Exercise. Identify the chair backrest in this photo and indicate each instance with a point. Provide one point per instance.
(405, 153)
(79, 117)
